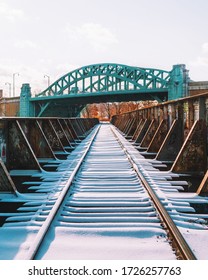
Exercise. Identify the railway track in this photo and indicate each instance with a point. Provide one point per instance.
(105, 201)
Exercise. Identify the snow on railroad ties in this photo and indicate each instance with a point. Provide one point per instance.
(98, 223)
(108, 214)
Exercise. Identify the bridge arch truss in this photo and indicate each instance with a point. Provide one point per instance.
(105, 82)
(108, 78)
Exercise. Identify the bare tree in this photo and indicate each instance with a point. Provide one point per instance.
(104, 111)
(86, 111)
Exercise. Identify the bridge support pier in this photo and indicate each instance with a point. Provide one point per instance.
(26, 107)
(178, 84)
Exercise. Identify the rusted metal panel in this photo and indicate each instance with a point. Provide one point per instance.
(142, 131)
(6, 183)
(85, 124)
(158, 137)
(25, 142)
(82, 126)
(149, 134)
(127, 125)
(3, 140)
(20, 154)
(138, 129)
(51, 135)
(192, 157)
(36, 138)
(131, 127)
(60, 132)
(171, 114)
(45, 140)
(165, 112)
(188, 110)
(202, 108)
(180, 110)
(121, 121)
(71, 128)
(76, 126)
(172, 143)
(65, 138)
(67, 131)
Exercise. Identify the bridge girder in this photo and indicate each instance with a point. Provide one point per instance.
(73, 104)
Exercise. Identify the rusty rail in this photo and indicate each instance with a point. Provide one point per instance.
(179, 244)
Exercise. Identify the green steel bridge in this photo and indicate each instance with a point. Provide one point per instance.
(100, 83)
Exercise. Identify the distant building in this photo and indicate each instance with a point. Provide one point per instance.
(9, 106)
(198, 87)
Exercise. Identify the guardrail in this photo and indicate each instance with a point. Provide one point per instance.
(174, 132)
(27, 144)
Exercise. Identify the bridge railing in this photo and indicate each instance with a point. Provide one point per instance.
(31, 145)
(173, 132)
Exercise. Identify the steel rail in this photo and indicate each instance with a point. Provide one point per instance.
(184, 250)
(32, 252)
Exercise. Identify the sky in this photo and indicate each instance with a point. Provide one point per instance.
(41, 40)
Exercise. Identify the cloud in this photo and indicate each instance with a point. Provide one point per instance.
(27, 74)
(202, 58)
(65, 68)
(97, 36)
(9, 13)
(200, 61)
(26, 44)
(5, 71)
(205, 47)
(33, 74)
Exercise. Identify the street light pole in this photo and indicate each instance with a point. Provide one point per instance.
(48, 77)
(14, 83)
(10, 86)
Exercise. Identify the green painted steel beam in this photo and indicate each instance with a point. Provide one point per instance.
(94, 94)
(65, 104)
(43, 108)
